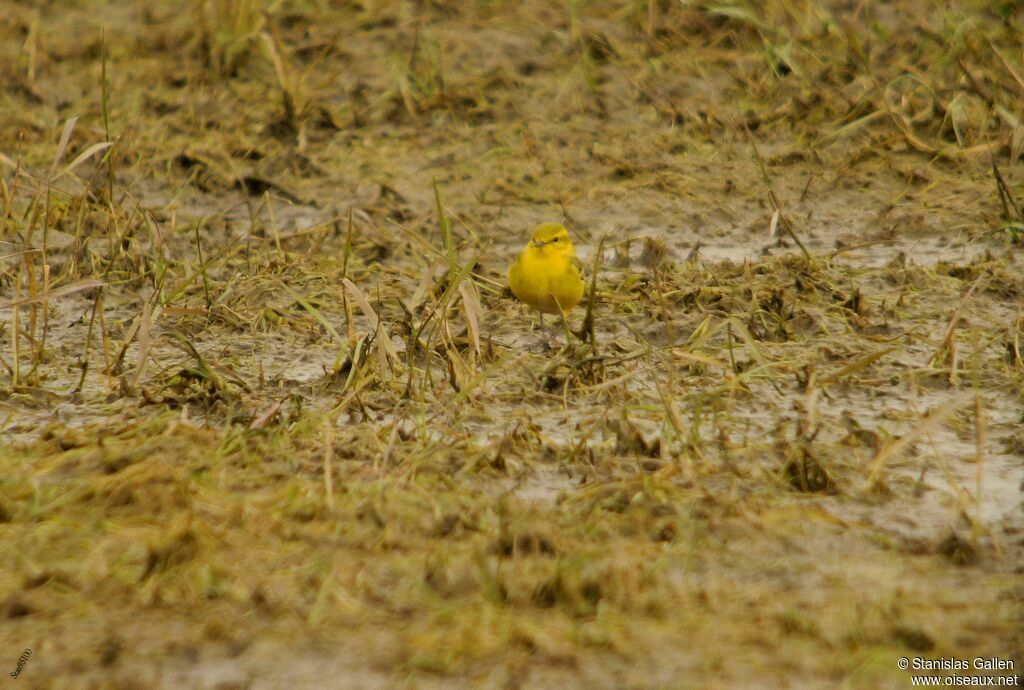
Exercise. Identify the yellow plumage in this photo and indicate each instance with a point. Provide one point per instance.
(546, 274)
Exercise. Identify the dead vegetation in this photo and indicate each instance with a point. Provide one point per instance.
(265, 393)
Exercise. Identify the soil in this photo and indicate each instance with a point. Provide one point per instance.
(270, 416)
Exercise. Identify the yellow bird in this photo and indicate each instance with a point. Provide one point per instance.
(546, 274)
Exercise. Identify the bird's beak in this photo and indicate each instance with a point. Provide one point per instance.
(538, 243)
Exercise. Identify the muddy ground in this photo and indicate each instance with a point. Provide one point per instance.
(270, 416)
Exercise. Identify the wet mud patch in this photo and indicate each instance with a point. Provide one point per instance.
(269, 414)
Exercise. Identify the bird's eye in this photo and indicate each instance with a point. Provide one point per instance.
(555, 240)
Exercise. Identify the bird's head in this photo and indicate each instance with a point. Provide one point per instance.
(552, 237)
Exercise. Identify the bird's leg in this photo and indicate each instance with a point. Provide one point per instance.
(546, 342)
(565, 324)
